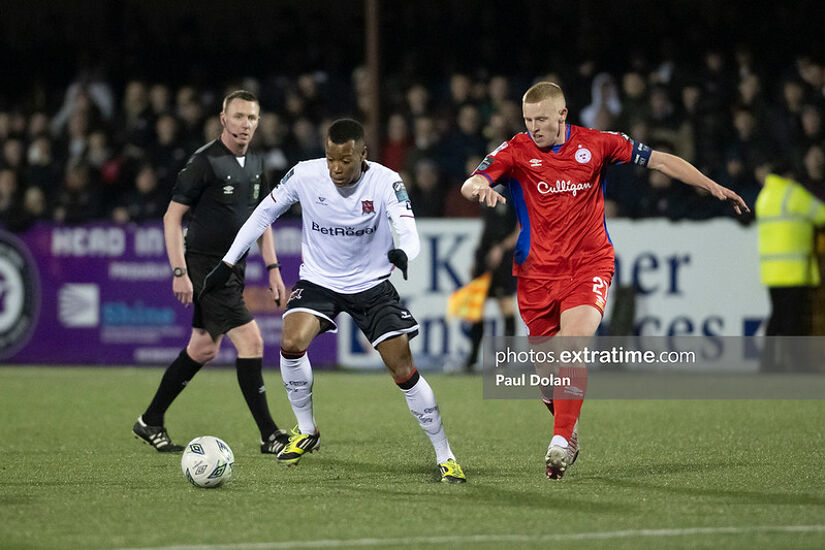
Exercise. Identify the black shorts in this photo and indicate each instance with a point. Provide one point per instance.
(221, 310)
(377, 311)
(503, 282)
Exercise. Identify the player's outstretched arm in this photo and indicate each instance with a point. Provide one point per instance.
(477, 188)
(680, 169)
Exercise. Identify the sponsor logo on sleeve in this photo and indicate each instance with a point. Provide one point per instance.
(488, 160)
(287, 176)
(400, 191)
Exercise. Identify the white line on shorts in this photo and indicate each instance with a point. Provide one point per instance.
(456, 539)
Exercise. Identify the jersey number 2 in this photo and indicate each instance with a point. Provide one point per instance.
(599, 285)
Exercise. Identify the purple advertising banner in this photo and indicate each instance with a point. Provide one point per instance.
(101, 294)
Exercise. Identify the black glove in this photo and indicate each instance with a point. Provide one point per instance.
(399, 258)
(215, 279)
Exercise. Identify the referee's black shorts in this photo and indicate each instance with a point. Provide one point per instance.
(221, 310)
(377, 311)
(502, 283)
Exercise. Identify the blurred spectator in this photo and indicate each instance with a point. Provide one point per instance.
(663, 118)
(814, 171)
(309, 91)
(718, 82)
(42, 171)
(78, 200)
(13, 156)
(398, 143)
(38, 125)
(426, 142)
(747, 144)
(812, 130)
(498, 92)
(427, 191)
(751, 97)
(167, 153)
(160, 99)
(418, 101)
(11, 211)
(634, 105)
(813, 75)
(459, 92)
(135, 123)
(785, 125)
(604, 105)
(306, 143)
(189, 112)
(147, 201)
(35, 207)
(739, 175)
(270, 135)
(211, 131)
(93, 100)
(465, 141)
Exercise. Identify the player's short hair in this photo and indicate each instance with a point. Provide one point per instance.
(541, 91)
(345, 129)
(239, 94)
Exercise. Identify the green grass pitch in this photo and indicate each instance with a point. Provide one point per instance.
(652, 474)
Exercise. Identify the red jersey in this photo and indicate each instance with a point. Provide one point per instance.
(559, 198)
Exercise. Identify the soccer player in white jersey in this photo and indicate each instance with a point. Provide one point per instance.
(350, 207)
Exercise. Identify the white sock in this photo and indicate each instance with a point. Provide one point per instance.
(559, 440)
(421, 401)
(297, 375)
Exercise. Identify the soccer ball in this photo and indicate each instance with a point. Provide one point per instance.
(207, 462)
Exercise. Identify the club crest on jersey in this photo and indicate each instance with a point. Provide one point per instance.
(367, 207)
(583, 155)
(535, 163)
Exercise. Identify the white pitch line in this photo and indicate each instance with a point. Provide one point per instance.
(595, 535)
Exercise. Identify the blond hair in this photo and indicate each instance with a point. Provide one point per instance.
(541, 91)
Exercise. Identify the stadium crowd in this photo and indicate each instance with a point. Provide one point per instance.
(105, 153)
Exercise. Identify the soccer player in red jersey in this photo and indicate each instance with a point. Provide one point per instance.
(564, 257)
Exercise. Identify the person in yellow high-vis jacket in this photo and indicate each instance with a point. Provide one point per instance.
(787, 213)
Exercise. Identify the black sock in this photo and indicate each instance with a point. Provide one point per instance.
(177, 375)
(510, 325)
(476, 332)
(251, 381)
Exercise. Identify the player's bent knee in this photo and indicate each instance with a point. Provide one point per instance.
(292, 344)
(253, 347)
(202, 354)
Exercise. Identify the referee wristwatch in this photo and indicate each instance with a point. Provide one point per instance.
(179, 271)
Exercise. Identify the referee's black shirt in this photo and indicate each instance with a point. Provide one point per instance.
(221, 195)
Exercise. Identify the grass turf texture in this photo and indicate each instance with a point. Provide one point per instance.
(72, 476)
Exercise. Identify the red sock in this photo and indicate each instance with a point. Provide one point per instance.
(567, 411)
(567, 401)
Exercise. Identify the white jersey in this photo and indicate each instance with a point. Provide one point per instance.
(347, 231)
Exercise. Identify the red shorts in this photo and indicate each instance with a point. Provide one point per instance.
(542, 301)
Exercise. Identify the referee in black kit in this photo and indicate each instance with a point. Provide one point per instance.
(220, 186)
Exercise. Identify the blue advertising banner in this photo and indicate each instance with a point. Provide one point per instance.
(101, 294)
